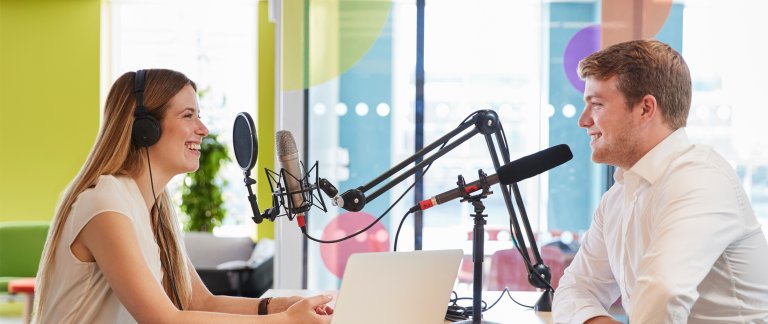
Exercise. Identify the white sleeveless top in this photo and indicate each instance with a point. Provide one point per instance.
(77, 291)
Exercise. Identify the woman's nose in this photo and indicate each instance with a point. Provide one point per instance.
(202, 130)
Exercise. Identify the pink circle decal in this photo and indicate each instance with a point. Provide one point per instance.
(583, 43)
(334, 256)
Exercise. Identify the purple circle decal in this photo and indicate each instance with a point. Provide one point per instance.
(583, 43)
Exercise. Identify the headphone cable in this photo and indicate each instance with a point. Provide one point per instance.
(161, 226)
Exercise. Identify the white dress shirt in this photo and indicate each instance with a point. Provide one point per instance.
(676, 238)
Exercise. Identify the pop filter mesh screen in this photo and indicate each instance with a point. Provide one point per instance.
(244, 139)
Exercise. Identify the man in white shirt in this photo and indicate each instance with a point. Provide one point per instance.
(675, 237)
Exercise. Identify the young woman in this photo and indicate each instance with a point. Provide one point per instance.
(114, 251)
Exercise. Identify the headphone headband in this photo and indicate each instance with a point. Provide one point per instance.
(138, 90)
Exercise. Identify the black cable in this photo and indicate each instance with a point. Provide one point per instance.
(160, 225)
(306, 233)
(516, 245)
(426, 168)
(464, 312)
(505, 152)
(397, 233)
(506, 291)
(504, 144)
(376, 220)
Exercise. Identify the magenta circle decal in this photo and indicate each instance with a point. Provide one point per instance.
(334, 256)
(583, 43)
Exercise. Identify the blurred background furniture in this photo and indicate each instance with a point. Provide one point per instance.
(466, 271)
(21, 245)
(503, 266)
(508, 269)
(26, 287)
(234, 266)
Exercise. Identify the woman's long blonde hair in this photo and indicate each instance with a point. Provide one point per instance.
(113, 153)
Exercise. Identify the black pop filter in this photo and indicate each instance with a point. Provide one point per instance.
(244, 139)
(246, 151)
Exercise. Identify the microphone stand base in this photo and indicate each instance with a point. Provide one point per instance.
(545, 302)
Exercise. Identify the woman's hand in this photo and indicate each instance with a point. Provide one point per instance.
(602, 320)
(281, 304)
(310, 310)
(324, 310)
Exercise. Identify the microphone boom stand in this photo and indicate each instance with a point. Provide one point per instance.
(485, 122)
(478, 244)
(478, 254)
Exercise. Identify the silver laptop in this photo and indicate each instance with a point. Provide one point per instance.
(397, 287)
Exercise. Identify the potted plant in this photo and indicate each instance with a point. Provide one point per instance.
(203, 203)
(201, 197)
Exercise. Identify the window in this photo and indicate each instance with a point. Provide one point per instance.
(493, 54)
(214, 44)
(728, 107)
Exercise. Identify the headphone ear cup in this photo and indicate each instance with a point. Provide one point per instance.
(146, 130)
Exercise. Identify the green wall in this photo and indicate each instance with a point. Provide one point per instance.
(265, 115)
(49, 100)
(50, 105)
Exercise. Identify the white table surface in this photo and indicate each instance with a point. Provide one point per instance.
(505, 311)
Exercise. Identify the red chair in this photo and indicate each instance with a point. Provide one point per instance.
(467, 270)
(24, 286)
(555, 259)
(509, 270)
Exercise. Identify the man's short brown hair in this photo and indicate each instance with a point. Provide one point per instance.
(645, 67)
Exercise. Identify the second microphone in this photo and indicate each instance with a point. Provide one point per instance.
(292, 173)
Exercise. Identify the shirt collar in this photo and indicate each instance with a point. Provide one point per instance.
(654, 163)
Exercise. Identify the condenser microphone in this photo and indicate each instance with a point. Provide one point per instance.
(288, 156)
(512, 172)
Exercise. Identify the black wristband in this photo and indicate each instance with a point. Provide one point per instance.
(263, 303)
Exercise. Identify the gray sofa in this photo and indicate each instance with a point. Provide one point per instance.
(234, 266)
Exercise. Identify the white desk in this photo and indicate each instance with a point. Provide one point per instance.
(505, 311)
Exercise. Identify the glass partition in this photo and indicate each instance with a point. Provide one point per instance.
(489, 55)
(518, 58)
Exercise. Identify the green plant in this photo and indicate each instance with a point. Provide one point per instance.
(201, 197)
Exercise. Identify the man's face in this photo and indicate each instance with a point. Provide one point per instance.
(610, 124)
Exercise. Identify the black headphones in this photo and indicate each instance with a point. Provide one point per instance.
(146, 132)
(146, 128)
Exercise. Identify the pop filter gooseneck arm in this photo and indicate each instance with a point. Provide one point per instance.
(485, 122)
